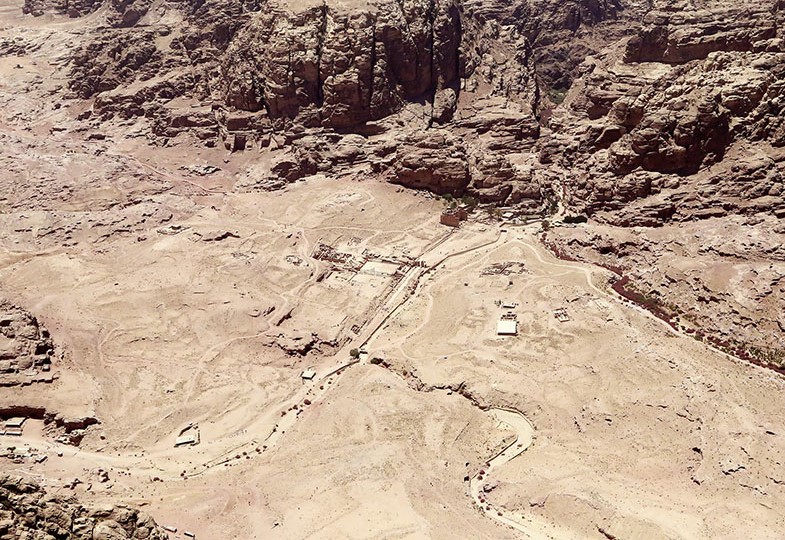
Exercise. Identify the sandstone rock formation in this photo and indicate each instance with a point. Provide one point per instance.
(435, 161)
(26, 348)
(333, 68)
(679, 127)
(670, 99)
(278, 73)
(27, 511)
(685, 118)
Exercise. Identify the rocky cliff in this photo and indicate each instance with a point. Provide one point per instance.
(270, 74)
(28, 512)
(682, 121)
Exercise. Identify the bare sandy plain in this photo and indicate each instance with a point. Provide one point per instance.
(177, 300)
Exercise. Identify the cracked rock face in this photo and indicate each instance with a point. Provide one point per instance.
(26, 348)
(435, 161)
(678, 32)
(683, 121)
(27, 511)
(386, 70)
(335, 68)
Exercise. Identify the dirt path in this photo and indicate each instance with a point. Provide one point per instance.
(480, 482)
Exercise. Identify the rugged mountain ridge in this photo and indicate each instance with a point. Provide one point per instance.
(273, 74)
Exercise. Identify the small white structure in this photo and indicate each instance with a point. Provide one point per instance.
(188, 439)
(507, 327)
(509, 304)
(16, 422)
(188, 436)
(308, 374)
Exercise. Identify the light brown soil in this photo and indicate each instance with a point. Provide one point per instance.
(165, 320)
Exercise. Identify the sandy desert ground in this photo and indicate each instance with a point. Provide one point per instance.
(177, 300)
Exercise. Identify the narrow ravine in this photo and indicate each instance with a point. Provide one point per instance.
(615, 293)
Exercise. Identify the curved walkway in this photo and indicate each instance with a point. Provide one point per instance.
(524, 436)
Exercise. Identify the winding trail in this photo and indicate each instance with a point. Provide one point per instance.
(524, 436)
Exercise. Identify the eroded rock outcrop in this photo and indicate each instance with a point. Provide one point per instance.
(679, 128)
(331, 67)
(675, 33)
(27, 511)
(659, 98)
(278, 74)
(688, 129)
(26, 348)
(433, 160)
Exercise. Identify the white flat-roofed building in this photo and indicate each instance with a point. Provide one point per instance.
(507, 327)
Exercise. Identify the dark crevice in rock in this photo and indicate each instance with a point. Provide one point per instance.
(320, 33)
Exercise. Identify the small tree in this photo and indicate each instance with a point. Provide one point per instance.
(469, 201)
(354, 353)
